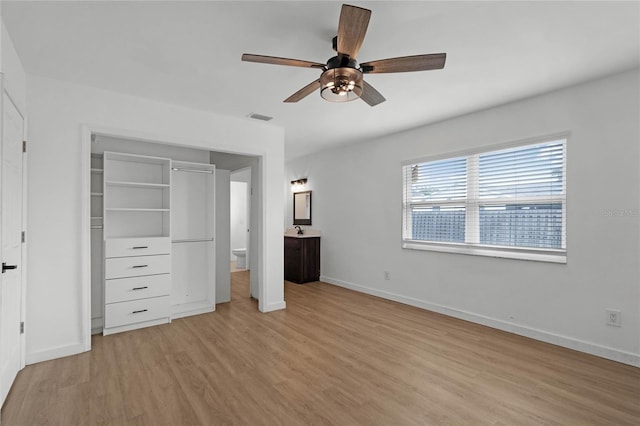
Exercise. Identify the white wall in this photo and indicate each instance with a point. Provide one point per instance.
(58, 110)
(238, 217)
(14, 75)
(180, 153)
(357, 206)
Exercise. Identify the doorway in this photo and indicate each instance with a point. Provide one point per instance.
(240, 225)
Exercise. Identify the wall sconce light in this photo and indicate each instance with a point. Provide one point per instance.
(298, 184)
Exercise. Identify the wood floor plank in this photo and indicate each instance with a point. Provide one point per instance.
(333, 357)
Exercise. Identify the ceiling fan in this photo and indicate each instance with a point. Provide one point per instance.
(342, 76)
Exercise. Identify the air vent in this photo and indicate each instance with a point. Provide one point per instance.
(260, 117)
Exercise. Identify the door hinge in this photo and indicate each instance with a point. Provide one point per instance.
(23, 236)
(22, 327)
(24, 146)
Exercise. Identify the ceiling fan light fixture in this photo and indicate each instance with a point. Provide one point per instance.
(341, 84)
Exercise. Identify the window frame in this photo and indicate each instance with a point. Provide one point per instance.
(472, 205)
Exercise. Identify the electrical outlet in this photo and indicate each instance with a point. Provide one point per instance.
(614, 317)
(387, 276)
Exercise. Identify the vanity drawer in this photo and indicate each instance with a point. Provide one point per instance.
(123, 267)
(124, 289)
(122, 247)
(125, 313)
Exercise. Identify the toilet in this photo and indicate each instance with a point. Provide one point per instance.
(241, 257)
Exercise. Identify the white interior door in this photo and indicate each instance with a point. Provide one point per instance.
(11, 236)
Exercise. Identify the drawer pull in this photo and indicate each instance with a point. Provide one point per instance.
(140, 288)
(140, 247)
(140, 311)
(140, 266)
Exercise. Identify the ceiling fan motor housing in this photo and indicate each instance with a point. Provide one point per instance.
(342, 80)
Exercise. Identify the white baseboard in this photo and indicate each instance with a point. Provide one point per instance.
(53, 353)
(544, 336)
(269, 307)
(96, 325)
(189, 309)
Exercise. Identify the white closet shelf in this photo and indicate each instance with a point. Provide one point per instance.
(127, 209)
(96, 217)
(96, 170)
(96, 194)
(137, 184)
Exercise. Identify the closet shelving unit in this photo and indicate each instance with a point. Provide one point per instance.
(152, 240)
(137, 241)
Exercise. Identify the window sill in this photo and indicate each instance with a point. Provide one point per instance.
(552, 256)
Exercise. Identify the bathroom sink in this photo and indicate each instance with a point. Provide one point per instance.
(308, 233)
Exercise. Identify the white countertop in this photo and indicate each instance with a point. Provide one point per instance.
(307, 233)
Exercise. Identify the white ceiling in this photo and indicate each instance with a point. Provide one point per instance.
(188, 53)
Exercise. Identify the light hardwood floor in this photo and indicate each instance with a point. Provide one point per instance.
(332, 357)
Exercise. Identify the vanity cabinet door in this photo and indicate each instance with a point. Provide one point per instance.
(292, 260)
(301, 259)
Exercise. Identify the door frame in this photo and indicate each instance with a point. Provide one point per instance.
(87, 130)
(252, 222)
(23, 249)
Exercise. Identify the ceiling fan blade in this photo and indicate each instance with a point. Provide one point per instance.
(304, 92)
(248, 57)
(352, 28)
(371, 95)
(433, 61)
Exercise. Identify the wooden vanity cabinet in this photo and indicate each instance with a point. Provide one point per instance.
(301, 259)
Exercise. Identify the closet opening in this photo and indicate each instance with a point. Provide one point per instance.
(240, 226)
(160, 237)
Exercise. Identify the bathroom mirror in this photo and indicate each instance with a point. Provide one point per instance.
(302, 208)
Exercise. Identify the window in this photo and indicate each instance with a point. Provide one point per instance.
(509, 202)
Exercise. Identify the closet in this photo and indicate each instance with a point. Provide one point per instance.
(152, 240)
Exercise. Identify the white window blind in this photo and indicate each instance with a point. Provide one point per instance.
(506, 200)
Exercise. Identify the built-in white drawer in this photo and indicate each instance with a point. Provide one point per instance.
(135, 311)
(124, 289)
(122, 247)
(123, 267)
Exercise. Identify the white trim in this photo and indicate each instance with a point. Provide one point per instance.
(135, 326)
(85, 237)
(533, 333)
(97, 324)
(193, 308)
(274, 306)
(24, 283)
(559, 256)
(56, 352)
